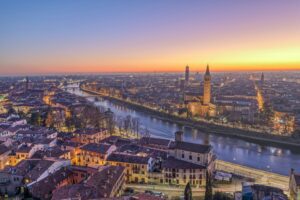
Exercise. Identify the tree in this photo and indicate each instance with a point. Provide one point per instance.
(188, 192)
(36, 119)
(208, 187)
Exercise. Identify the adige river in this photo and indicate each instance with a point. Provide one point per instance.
(265, 157)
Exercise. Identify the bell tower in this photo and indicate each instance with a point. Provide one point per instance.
(207, 85)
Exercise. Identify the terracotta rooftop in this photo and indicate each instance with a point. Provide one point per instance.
(97, 148)
(192, 147)
(174, 163)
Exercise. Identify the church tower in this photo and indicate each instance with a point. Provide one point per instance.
(262, 78)
(206, 93)
(187, 74)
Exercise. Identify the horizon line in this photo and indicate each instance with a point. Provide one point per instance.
(142, 72)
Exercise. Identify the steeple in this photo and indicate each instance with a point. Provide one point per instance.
(207, 70)
(187, 74)
(206, 93)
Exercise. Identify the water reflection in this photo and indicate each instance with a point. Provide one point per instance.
(264, 157)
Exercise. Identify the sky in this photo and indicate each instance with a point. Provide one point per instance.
(79, 36)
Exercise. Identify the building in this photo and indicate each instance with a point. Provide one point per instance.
(187, 74)
(262, 79)
(198, 154)
(207, 87)
(201, 106)
(93, 154)
(4, 156)
(106, 183)
(87, 136)
(65, 176)
(26, 173)
(137, 167)
(187, 163)
(294, 185)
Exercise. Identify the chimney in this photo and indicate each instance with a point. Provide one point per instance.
(178, 136)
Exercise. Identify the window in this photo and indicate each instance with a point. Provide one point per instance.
(182, 155)
(198, 159)
(190, 157)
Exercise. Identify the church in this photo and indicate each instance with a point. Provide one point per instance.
(201, 106)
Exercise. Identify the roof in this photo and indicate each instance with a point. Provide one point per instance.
(55, 152)
(22, 168)
(192, 147)
(155, 141)
(74, 191)
(174, 163)
(88, 131)
(105, 179)
(39, 169)
(118, 141)
(97, 148)
(48, 184)
(24, 149)
(3, 149)
(97, 185)
(118, 157)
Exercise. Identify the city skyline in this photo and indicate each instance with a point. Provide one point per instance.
(101, 36)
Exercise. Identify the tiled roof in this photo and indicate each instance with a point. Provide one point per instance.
(97, 186)
(118, 157)
(186, 146)
(174, 163)
(97, 148)
(155, 141)
(3, 149)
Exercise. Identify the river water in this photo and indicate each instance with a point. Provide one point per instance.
(265, 157)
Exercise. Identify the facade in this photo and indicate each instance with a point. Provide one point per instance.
(136, 167)
(93, 154)
(179, 172)
(87, 136)
(187, 162)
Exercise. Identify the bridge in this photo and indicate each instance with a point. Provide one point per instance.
(260, 176)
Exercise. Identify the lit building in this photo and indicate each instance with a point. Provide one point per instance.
(93, 154)
(137, 167)
(201, 105)
(283, 122)
(87, 136)
(207, 86)
(4, 156)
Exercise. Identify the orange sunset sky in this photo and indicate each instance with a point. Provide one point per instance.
(42, 37)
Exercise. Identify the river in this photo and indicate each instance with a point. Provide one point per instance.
(264, 157)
